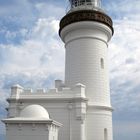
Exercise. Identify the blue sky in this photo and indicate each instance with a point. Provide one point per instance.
(32, 54)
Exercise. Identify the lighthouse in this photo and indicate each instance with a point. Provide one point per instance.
(79, 107)
(86, 30)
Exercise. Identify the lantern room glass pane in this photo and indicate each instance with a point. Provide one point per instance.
(76, 3)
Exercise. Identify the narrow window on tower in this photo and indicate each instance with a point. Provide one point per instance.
(102, 63)
(105, 134)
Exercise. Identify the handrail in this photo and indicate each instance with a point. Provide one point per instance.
(77, 5)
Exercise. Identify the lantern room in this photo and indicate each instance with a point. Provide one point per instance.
(85, 4)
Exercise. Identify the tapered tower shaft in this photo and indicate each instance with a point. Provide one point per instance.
(86, 30)
(86, 33)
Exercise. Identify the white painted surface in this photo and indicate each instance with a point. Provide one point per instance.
(86, 46)
(34, 111)
(97, 121)
(67, 106)
(31, 131)
(32, 126)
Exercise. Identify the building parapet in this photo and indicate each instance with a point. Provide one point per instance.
(60, 91)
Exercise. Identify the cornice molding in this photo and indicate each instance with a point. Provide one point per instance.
(86, 15)
(100, 107)
(49, 99)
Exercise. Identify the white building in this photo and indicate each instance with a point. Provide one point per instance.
(82, 102)
(33, 123)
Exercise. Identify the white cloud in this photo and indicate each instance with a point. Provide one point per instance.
(45, 28)
(39, 51)
(124, 55)
(17, 11)
(35, 61)
(124, 9)
(50, 9)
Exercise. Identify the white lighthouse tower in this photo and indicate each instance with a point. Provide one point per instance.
(86, 30)
(82, 102)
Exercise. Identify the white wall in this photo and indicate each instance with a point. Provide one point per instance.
(63, 111)
(83, 65)
(86, 44)
(26, 132)
(96, 122)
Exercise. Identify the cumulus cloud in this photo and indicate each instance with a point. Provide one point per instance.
(18, 17)
(123, 9)
(124, 55)
(39, 51)
(50, 9)
(17, 12)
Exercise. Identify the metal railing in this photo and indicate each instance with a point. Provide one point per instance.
(76, 3)
(83, 4)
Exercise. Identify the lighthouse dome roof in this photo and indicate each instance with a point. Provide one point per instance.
(34, 111)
